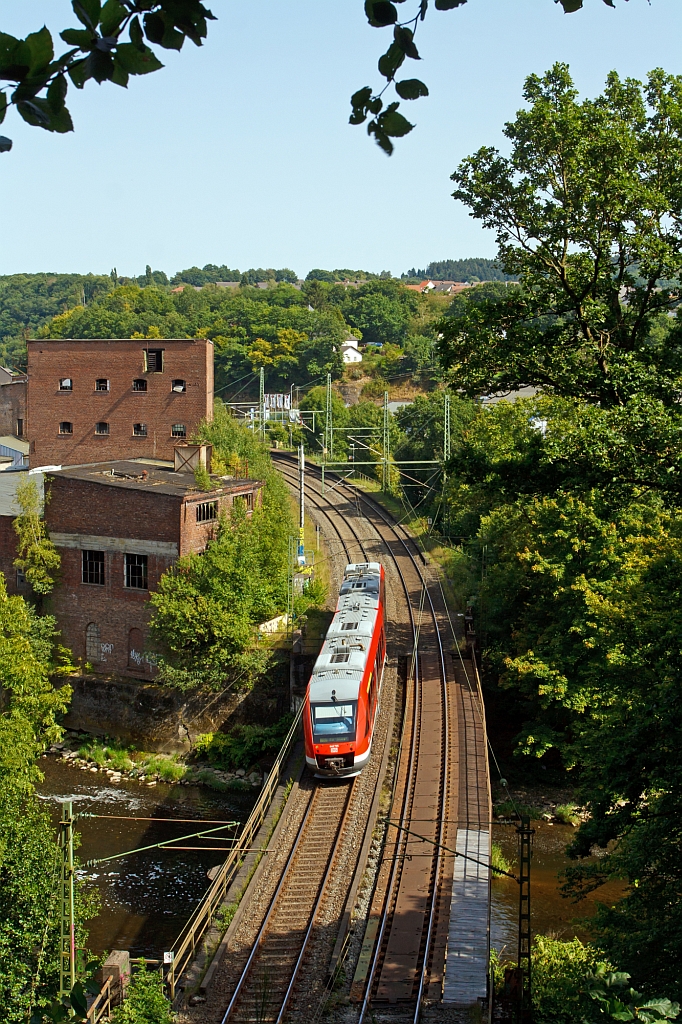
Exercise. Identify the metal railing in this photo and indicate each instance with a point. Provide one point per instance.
(183, 949)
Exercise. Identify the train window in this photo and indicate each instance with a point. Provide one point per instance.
(349, 625)
(333, 723)
(339, 657)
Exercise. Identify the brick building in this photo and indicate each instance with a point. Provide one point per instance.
(12, 403)
(118, 526)
(93, 400)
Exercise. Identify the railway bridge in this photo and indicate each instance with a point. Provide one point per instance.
(374, 896)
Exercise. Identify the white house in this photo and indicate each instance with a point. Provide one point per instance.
(349, 350)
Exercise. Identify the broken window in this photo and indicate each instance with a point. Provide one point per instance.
(101, 384)
(178, 430)
(248, 498)
(66, 427)
(207, 510)
(153, 359)
(139, 429)
(179, 386)
(139, 384)
(65, 384)
(101, 428)
(136, 572)
(20, 428)
(93, 643)
(93, 567)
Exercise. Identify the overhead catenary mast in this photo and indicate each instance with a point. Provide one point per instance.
(301, 522)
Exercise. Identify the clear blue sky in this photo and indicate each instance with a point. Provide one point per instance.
(240, 152)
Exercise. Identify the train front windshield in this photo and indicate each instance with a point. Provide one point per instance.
(333, 723)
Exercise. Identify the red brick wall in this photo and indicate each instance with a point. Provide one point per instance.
(114, 608)
(119, 361)
(12, 407)
(85, 506)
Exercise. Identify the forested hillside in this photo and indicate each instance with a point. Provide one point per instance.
(471, 270)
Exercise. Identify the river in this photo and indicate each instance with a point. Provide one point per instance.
(145, 898)
(551, 914)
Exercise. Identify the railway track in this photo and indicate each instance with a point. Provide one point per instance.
(264, 990)
(441, 784)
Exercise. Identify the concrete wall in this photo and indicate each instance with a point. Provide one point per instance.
(120, 362)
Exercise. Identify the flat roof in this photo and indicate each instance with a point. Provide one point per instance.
(134, 475)
(142, 342)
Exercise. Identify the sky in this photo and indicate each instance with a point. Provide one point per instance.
(240, 152)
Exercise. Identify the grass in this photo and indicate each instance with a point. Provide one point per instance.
(168, 769)
(107, 756)
(499, 861)
(507, 809)
(566, 814)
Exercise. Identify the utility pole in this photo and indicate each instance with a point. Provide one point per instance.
(67, 938)
(385, 475)
(301, 522)
(328, 423)
(261, 404)
(525, 834)
(446, 429)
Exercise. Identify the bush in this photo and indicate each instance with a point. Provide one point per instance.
(566, 814)
(499, 861)
(244, 744)
(146, 1002)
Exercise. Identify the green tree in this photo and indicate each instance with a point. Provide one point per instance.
(37, 556)
(595, 240)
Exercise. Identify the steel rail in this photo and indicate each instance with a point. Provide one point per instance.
(408, 793)
(266, 920)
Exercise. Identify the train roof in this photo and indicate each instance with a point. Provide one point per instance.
(341, 662)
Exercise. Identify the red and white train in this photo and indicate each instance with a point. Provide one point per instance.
(343, 693)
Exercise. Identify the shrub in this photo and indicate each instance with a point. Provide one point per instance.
(244, 744)
(498, 860)
(146, 1002)
(566, 814)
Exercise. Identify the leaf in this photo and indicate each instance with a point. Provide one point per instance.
(79, 37)
(78, 999)
(120, 76)
(393, 123)
(403, 38)
(570, 6)
(135, 32)
(88, 12)
(411, 89)
(381, 138)
(79, 73)
(37, 112)
(56, 93)
(113, 14)
(390, 61)
(135, 61)
(101, 65)
(380, 13)
(5, 144)
(41, 48)
(359, 102)
(448, 5)
(3, 106)
(663, 1007)
(375, 104)
(15, 58)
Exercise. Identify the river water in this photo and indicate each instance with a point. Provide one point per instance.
(551, 914)
(145, 898)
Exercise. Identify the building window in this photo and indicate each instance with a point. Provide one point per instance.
(136, 572)
(66, 427)
(153, 360)
(93, 643)
(21, 578)
(101, 384)
(139, 384)
(20, 428)
(93, 567)
(179, 386)
(207, 510)
(178, 430)
(139, 429)
(101, 428)
(65, 384)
